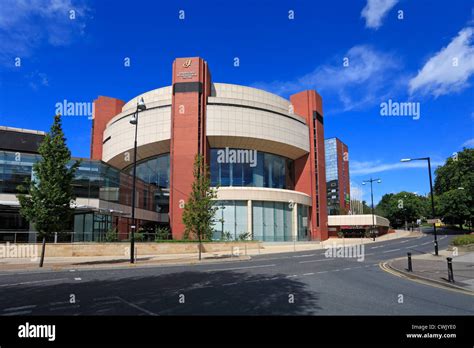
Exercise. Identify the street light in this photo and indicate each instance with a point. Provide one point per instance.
(431, 194)
(372, 198)
(134, 120)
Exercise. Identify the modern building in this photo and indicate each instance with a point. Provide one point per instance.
(266, 153)
(103, 193)
(337, 176)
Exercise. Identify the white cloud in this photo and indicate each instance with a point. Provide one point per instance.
(375, 10)
(440, 75)
(26, 24)
(469, 143)
(370, 167)
(362, 82)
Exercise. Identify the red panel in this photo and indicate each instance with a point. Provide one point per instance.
(105, 108)
(307, 179)
(186, 108)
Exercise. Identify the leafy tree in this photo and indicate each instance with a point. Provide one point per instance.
(46, 200)
(402, 207)
(199, 210)
(454, 186)
(456, 207)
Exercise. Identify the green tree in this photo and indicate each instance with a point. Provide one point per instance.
(403, 207)
(455, 207)
(454, 186)
(46, 200)
(199, 210)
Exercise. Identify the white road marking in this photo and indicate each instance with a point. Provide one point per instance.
(403, 241)
(427, 243)
(305, 255)
(307, 274)
(137, 307)
(236, 268)
(64, 307)
(227, 284)
(34, 282)
(72, 270)
(19, 308)
(16, 313)
(315, 261)
(389, 251)
(346, 269)
(335, 270)
(292, 276)
(77, 279)
(322, 272)
(380, 246)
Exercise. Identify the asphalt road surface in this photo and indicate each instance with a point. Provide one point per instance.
(302, 283)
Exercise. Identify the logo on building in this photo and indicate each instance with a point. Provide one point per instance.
(187, 63)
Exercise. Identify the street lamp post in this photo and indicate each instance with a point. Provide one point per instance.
(134, 120)
(431, 194)
(372, 199)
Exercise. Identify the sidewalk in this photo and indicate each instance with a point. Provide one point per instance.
(239, 254)
(434, 269)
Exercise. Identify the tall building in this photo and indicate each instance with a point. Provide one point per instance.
(265, 153)
(337, 177)
(279, 195)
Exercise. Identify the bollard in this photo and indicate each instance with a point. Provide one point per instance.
(450, 269)
(410, 266)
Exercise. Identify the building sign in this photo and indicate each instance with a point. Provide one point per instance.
(185, 75)
(187, 63)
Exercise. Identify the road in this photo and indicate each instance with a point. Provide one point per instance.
(302, 283)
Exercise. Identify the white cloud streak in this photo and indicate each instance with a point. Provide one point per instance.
(27, 24)
(362, 82)
(363, 168)
(375, 11)
(448, 71)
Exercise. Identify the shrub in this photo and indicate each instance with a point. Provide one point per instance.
(111, 236)
(244, 236)
(162, 233)
(463, 240)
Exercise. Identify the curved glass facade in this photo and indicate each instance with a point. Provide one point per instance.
(239, 167)
(156, 171)
(230, 217)
(272, 221)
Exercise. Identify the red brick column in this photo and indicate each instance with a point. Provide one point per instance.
(310, 169)
(191, 86)
(105, 108)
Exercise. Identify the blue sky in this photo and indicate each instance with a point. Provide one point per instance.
(426, 57)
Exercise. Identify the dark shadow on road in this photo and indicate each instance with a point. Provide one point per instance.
(205, 293)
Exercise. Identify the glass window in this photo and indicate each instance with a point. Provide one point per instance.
(270, 170)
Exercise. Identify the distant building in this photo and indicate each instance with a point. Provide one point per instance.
(337, 176)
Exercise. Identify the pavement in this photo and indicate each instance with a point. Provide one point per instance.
(434, 269)
(58, 263)
(293, 283)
